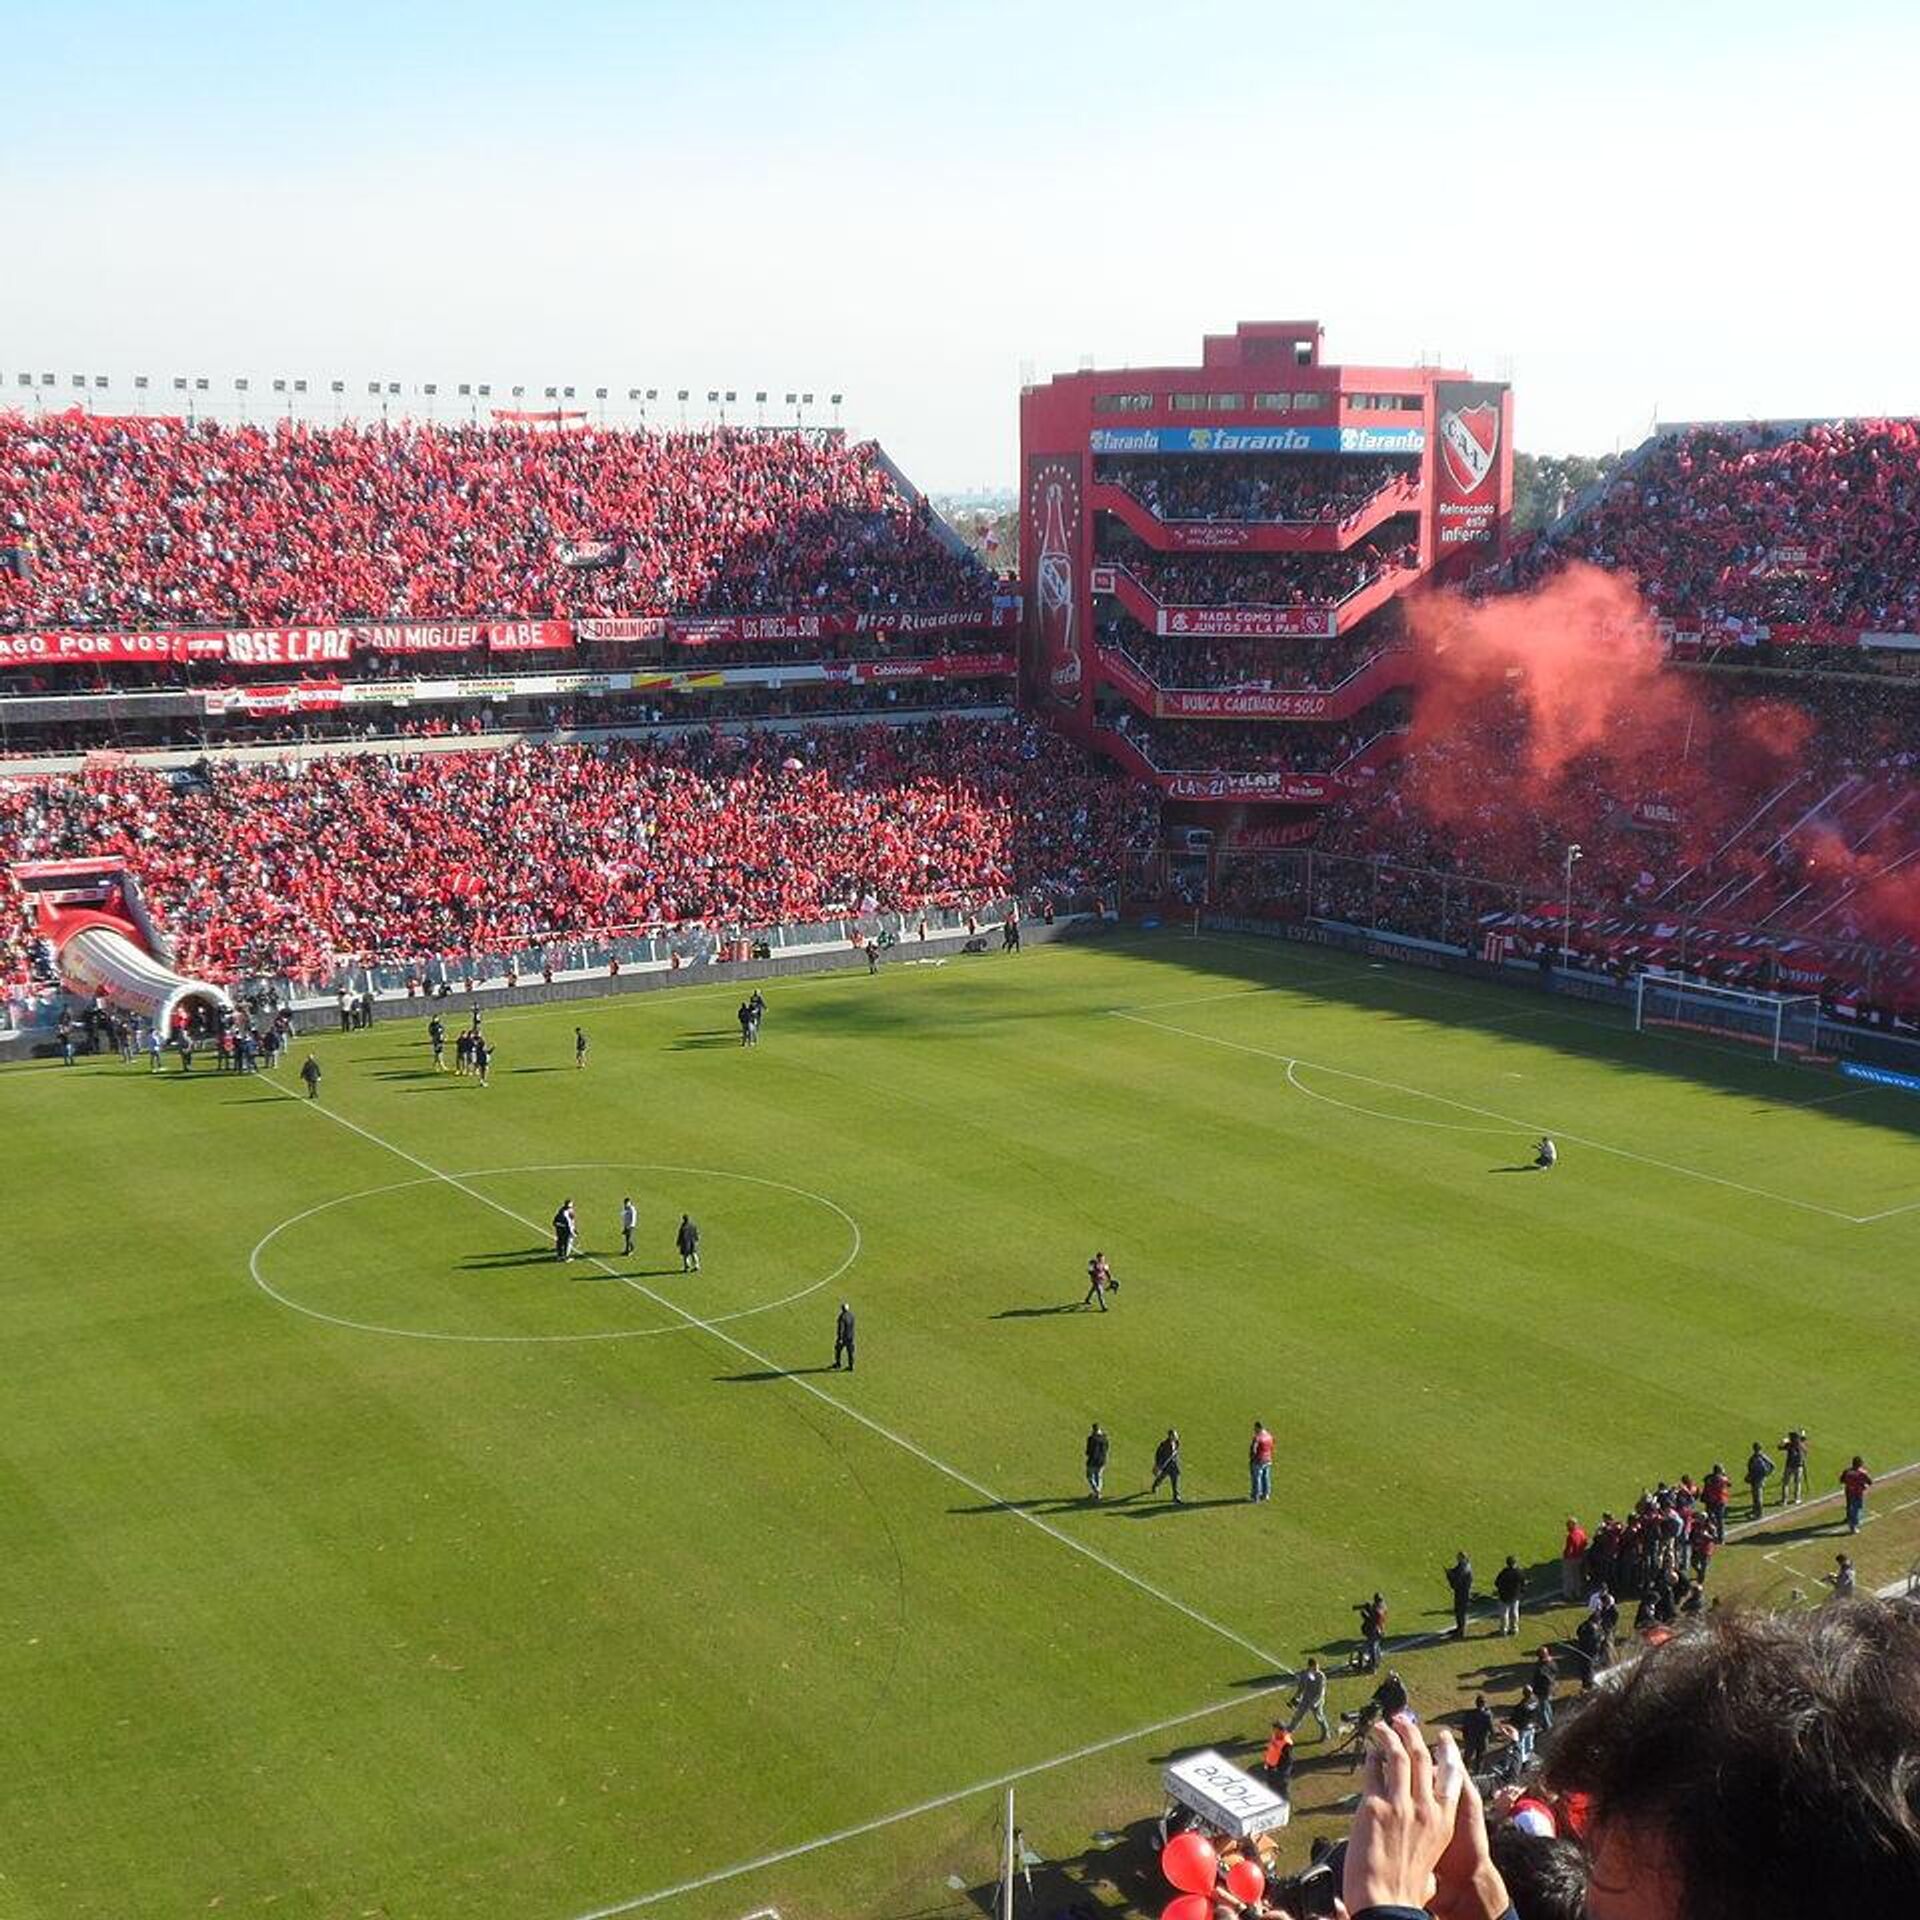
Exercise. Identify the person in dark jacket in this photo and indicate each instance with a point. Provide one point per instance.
(1097, 1447)
(1509, 1588)
(1166, 1464)
(687, 1240)
(843, 1336)
(1459, 1578)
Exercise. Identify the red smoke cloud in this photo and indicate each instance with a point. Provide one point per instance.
(1546, 717)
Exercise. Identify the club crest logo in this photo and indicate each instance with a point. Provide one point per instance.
(1469, 440)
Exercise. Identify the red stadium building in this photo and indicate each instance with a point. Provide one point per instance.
(1213, 559)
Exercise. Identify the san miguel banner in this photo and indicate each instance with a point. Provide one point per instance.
(1468, 460)
(1248, 623)
(529, 636)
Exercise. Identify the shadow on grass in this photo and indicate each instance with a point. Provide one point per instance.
(536, 1069)
(1040, 1313)
(1160, 1509)
(700, 1042)
(763, 1374)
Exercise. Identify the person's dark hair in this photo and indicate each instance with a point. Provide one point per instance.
(1546, 1875)
(1775, 1759)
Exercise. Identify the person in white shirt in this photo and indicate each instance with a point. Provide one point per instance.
(1546, 1154)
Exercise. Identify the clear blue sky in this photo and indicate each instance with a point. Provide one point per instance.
(1698, 207)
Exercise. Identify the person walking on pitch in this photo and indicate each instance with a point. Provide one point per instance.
(843, 1336)
(310, 1073)
(687, 1240)
(629, 1220)
(1166, 1464)
(437, 1040)
(579, 1047)
(1097, 1449)
(1099, 1282)
(1260, 1463)
(1310, 1697)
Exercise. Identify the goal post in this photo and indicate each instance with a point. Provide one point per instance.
(1783, 1023)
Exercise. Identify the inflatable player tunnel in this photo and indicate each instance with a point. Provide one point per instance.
(90, 916)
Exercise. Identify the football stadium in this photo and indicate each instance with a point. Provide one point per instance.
(728, 1200)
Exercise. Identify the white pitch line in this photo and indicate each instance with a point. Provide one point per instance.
(933, 1805)
(1487, 1113)
(978, 1488)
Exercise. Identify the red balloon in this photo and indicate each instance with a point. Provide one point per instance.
(1190, 1863)
(1189, 1906)
(1245, 1881)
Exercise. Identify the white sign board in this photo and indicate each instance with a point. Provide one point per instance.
(1234, 1802)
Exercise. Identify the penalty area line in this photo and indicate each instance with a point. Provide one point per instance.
(920, 1808)
(1291, 1060)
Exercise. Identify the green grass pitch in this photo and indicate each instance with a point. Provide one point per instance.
(357, 1560)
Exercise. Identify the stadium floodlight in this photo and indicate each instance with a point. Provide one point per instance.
(599, 393)
(430, 389)
(486, 393)
(279, 386)
(337, 386)
(393, 386)
(240, 386)
(761, 397)
(139, 383)
(793, 399)
(713, 396)
(373, 387)
(633, 393)
(179, 383)
(99, 380)
(681, 396)
(1566, 906)
(653, 393)
(26, 380)
(201, 383)
(299, 386)
(566, 393)
(553, 393)
(46, 379)
(519, 393)
(466, 390)
(731, 396)
(79, 379)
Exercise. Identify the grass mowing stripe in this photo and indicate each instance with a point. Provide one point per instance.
(953, 1473)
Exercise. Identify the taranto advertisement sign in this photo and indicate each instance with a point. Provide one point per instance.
(1257, 440)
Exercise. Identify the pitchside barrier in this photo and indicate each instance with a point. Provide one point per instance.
(1817, 1036)
(587, 968)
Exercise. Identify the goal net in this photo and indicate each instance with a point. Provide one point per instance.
(1786, 1024)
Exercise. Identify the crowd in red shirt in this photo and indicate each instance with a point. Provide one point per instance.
(1301, 490)
(1243, 665)
(281, 868)
(153, 522)
(1258, 580)
(1818, 526)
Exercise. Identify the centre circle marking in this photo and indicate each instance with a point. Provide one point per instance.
(691, 1325)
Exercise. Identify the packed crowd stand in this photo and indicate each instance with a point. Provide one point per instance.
(1259, 580)
(161, 522)
(1787, 865)
(1293, 489)
(1263, 666)
(1764, 525)
(531, 715)
(280, 868)
(1255, 746)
